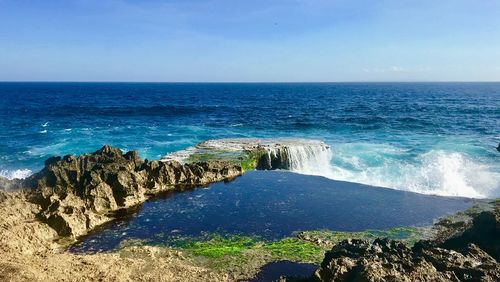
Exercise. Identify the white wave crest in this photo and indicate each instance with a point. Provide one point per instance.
(13, 174)
(436, 172)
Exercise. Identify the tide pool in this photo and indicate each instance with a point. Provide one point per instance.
(271, 205)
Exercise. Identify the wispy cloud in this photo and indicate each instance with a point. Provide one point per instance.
(396, 69)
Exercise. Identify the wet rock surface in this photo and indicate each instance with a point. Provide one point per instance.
(265, 154)
(469, 252)
(76, 194)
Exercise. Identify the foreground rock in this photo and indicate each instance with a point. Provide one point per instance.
(10, 185)
(467, 254)
(76, 194)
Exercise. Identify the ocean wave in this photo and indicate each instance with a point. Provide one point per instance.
(434, 172)
(13, 174)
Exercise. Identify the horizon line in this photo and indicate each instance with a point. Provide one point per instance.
(249, 82)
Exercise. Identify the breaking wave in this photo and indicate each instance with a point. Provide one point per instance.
(18, 173)
(435, 172)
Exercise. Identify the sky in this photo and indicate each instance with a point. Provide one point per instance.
(249, 41)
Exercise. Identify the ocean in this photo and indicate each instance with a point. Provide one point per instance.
(429, 138)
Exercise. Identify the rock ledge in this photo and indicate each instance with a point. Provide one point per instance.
(78, 193)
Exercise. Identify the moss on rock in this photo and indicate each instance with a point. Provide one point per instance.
(239, 253)
(217, 246)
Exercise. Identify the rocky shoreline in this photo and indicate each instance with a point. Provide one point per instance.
(466, 250)
(72, 195)
(77, 194)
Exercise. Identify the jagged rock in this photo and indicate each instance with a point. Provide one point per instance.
(473, 264)
(484, 232)
(359, 260)
(387, 260)
(78, 193)
(470, 254)
(9, 185)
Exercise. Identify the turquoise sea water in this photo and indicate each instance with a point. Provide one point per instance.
(433, 138)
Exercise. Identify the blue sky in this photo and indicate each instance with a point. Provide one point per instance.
(301, 40)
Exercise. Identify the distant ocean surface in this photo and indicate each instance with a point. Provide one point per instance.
(431, 138)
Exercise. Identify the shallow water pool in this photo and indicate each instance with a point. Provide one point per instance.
(271, 205)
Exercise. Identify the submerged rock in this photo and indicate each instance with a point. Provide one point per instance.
(78, 193)
(469, 254)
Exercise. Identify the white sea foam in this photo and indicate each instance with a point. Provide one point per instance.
(18, 173)
(435, 172)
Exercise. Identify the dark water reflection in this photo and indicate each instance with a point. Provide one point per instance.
(273, 205)
(295, 271)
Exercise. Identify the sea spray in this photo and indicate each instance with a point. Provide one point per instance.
(436, 172)
(15, 174)
(431, 171)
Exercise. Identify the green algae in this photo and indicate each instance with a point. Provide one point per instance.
(408, 235)
(235, 252)
(304, 246)
(251, 159)
(248, 160)
(218, 246)
(241, 253)
(248, 164)
(294, 249)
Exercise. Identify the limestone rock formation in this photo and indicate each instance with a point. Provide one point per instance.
(470, 254)
(263, 154)
(9, 185)
(484, 232)
(78, 193)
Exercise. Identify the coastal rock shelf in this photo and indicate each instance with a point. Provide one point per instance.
(262, 154)
(76, 194)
